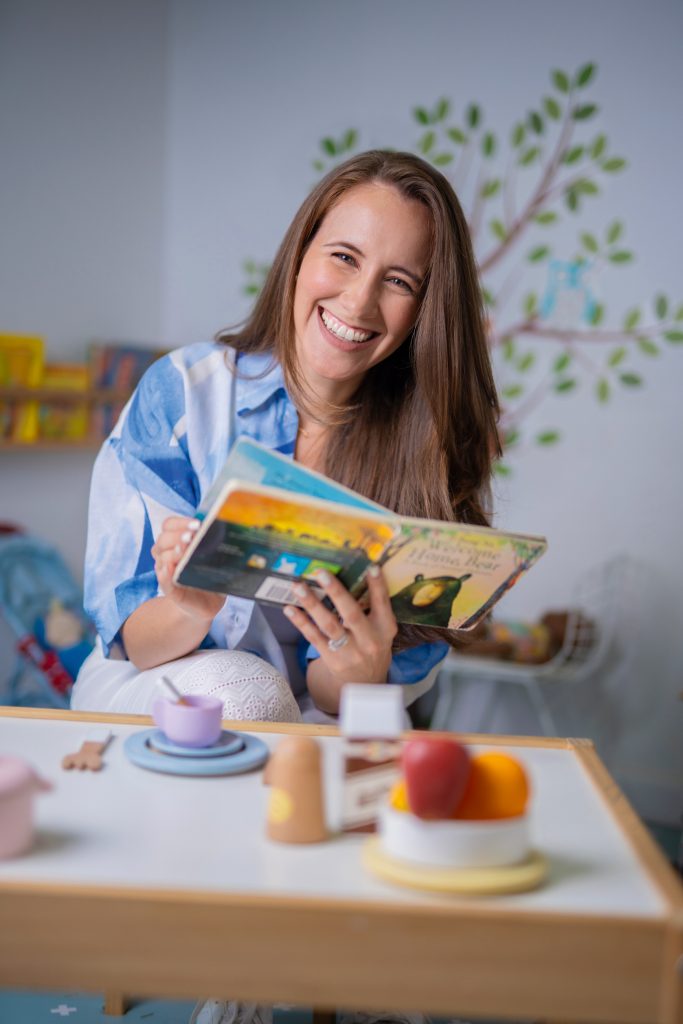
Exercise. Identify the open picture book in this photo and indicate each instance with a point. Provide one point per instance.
(269, 522)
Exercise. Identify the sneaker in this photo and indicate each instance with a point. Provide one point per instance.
(218, 1011)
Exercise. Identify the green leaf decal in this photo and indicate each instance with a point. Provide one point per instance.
(498, 229)
(508, 349)
(631, 319)
(350, 138)
(598, 147)
(421, 115)
(573, 154)
(598, 314)
(589, 242)
(617, 356)
(615, 163)
(547, 217)
(513, 391)
(661, 306)
(560, 81)
(490, 188)
(427, 142)
(621, 256)
(614, 231)
(457, 135)
(529, 155)
(441, 159)
(539, 253)
(330, 146)
(631, 380)
(548, 437)
(518, 134)
(568, 384)
(562, 362)
(584, 75)
(441, 110)
(473, 115)
(488, 144)
(648, 347)
(584, 112)
(674, 336)
(602, 389)
(501, 469)
(552, 107)
(318, 165)
(536, 122)
(526, 361)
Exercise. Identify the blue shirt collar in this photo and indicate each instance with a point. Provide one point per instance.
(264, 379)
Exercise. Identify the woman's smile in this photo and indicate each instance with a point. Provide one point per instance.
(342, 331)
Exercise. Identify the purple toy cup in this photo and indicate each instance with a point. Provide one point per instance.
(194, 724)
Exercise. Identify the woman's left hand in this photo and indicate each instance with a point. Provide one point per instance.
(357, 648)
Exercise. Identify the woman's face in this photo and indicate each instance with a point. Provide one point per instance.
(357, 293)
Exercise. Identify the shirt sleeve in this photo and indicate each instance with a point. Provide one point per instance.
(142, 474)
(407, 667)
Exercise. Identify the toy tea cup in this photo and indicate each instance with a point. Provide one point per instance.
(194, 723)
(18, 785)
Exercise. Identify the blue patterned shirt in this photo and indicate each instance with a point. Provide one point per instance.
(161, 458)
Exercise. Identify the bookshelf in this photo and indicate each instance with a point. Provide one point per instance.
(92, 398)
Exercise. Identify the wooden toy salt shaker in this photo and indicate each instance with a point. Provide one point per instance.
(19, 783)
(371, 720)
(296, 811)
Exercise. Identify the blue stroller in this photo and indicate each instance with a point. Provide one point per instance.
(43, 607)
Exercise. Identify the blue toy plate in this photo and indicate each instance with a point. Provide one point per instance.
(227, 743)
(253, 754)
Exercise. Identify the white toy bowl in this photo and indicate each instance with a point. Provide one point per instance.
(454, 843)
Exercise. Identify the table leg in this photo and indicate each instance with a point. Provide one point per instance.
(115, 1004)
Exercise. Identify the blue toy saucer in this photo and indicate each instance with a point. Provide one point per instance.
(252, 754)
(227, 743)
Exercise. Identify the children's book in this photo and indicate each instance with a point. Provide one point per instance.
(21, 367)
(269, 522)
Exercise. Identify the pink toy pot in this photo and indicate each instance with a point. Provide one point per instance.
(18, 785)
(196, 723)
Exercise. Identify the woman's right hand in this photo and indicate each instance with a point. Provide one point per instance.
(168, 549)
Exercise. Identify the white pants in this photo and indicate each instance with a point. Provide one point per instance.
(249, 687)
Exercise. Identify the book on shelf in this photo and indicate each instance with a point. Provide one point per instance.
(64, 419)
(21, 366)
(268, 522)
(117, 367)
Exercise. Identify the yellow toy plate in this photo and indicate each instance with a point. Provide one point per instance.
(528, 874)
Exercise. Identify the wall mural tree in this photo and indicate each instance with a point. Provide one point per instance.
(548, 330)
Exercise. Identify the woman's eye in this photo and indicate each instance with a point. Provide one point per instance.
(401, 283)
(344, 257)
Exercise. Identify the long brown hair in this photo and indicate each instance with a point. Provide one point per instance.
(420, 433)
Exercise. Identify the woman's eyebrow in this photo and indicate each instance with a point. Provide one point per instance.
(359, 252)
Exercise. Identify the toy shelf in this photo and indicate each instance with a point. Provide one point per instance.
(92, 398)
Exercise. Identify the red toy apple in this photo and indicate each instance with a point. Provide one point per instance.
(436, 772)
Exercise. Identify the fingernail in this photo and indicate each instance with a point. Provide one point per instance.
(193, 525)
(289, 612)
(177, 550)
(374, 571)
(300, 590)
(323, 576)
(186, 537)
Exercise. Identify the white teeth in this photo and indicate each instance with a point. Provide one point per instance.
(342, 331)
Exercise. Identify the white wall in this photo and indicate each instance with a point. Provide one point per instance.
(250, 90)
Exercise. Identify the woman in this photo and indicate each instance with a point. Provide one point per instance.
(365, 358)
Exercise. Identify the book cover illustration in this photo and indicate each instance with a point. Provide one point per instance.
(21, 366)
(450, 574)
(259, 541)
(250, 461)
(116, 367)
(64, 419)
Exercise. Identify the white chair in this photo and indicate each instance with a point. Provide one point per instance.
(597, 628)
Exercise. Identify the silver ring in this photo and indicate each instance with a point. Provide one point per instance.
(336, 645)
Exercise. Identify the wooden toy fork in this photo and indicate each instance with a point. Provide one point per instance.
(89, 756)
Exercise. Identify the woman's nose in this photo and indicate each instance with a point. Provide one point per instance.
(361, 296)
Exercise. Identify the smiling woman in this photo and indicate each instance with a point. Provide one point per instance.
(364, 357)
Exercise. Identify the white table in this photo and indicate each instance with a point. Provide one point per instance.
(161, 885)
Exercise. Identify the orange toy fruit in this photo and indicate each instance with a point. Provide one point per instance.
(398, 797)
(497, 788)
